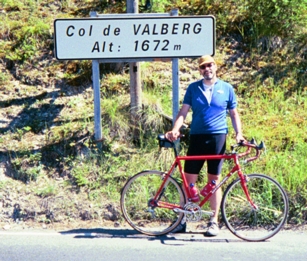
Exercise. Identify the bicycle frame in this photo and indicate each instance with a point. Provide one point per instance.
(177, 163)
(254, 207)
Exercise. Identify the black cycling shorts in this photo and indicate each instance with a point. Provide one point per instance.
(205, 144)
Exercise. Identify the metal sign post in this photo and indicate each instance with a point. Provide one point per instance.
(175, 78)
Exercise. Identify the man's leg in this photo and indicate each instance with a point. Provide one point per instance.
(215, 199)
(215, 202)
(191, 178)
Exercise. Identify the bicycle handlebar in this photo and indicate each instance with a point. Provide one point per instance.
(164, 142)
(250, 145)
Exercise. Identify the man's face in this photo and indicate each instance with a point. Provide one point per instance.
(208, 70)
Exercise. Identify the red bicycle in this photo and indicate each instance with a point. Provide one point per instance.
(254, 207)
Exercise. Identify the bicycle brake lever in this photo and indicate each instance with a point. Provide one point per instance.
(262, 147)
(233, 147)
(253, 141)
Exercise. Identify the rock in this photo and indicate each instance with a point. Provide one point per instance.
(2, 171)
(6, 227)
(112, 213)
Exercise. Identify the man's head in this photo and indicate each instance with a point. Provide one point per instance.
(207, 67)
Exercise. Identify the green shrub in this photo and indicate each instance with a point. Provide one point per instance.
(250, 18)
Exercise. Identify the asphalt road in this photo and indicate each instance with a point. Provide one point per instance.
(126, 244)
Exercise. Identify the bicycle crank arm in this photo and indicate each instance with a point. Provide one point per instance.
(186, 212)
(178, 210)
(208, 213)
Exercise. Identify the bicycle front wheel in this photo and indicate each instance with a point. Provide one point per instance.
(250, 223)
(148, 216)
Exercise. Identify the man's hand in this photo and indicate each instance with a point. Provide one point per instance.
(239, 137)
(172, 135)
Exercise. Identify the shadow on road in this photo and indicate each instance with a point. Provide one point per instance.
(132, 234)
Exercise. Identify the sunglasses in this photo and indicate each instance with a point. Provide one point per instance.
(204, 66)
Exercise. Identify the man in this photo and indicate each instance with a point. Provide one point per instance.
(210, 99)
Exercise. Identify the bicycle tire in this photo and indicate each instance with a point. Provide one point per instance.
(243, 220)
(135, 197)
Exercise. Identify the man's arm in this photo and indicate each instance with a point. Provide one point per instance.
(175, 132)
(236, 123)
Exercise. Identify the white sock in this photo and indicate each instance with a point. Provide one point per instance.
(212, 219)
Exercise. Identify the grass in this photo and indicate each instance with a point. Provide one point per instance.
(102, 175)
(47, 145)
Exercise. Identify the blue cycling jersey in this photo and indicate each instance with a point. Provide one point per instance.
(210, 118)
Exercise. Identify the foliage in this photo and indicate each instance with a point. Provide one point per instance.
(26, 35)
(266, 64)
(250, 18)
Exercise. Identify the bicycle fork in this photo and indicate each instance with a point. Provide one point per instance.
(244, 179)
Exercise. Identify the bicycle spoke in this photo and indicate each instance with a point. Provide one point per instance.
(249, 223)
(142, 212)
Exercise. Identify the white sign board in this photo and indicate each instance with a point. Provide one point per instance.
(129, 37)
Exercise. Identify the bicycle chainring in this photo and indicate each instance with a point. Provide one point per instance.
(194, 214)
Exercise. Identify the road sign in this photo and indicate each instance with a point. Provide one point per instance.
(130, 37)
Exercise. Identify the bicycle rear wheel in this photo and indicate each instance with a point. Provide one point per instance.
(142, 213)
(249, 223)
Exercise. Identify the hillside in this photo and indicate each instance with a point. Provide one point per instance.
(52, 173)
